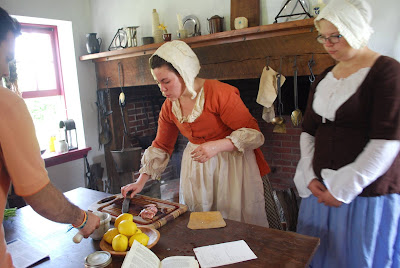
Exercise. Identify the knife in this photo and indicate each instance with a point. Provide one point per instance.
(127, 201)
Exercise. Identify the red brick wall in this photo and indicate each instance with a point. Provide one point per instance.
(282, 153)
(142, 100)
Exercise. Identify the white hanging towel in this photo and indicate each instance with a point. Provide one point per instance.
(267, 92)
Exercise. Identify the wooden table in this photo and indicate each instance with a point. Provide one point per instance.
(272, 247)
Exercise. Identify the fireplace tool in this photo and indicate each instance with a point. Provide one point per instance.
(279, 121)
(296, 115)
(128, 159)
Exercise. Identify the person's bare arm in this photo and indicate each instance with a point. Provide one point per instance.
(53, 205)
(209, 149)
(135, 187)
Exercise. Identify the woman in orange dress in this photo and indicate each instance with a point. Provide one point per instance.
(222, 165)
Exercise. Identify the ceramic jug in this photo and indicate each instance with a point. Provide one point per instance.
(215, 24)
(93, 43)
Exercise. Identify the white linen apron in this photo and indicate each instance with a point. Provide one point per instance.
(229, 182)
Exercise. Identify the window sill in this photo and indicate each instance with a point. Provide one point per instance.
(52, 159)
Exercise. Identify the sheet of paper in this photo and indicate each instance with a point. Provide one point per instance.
(179, 262)
(23, 254)
(140, 257)
(223, 254)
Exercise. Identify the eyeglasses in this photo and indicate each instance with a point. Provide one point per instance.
(333, 39)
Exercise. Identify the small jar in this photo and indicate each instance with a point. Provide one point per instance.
(166, 37)
(62, 146)
(98, 259)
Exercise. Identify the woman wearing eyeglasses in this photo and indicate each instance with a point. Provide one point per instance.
(349, 172)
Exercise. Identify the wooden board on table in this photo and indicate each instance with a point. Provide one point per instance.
(167, 210)
(245, 8)
(206, 220)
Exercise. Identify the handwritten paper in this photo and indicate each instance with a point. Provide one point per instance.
(224, 253)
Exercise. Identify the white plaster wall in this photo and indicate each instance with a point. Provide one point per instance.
(386, 24)
(81, 94)
(108, 16)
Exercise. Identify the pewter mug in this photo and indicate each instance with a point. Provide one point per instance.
(93, 43)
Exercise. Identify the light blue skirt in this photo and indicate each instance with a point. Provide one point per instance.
(364, 233)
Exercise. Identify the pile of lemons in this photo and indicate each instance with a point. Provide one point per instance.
(124, 233)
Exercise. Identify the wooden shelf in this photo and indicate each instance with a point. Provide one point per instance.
(227, 37)
(237, 54)
(52, 159)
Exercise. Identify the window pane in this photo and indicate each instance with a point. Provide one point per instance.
(26, 77)
(46, 77)
(35, 62)
(47, 112)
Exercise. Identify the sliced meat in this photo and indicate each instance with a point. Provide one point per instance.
(151, 207)
(148, 212)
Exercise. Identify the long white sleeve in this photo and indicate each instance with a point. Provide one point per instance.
(350, 180)
(246, 139)
(154, 162)
(304, 171)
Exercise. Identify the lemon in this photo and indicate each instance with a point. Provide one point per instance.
(110, 234)
(127, 228)
(142, 238)
(123, 217)
(138, 231)
(120, 243)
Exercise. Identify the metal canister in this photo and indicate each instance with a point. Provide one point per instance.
(98, 259)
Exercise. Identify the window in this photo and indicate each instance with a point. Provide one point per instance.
(40, 81)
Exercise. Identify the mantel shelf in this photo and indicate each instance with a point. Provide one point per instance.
(237, 54)
(234, 36)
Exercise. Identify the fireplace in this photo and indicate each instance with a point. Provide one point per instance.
(239, 54)
(281, 151)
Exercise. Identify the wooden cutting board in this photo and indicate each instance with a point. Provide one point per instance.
(206, 220)
(167, 211)
(245, 8)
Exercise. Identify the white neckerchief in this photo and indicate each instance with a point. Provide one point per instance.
(331, 93)
(196, 112)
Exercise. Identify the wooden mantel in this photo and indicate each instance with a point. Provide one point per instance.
(237, 54)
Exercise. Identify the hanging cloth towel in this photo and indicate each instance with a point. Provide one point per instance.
(267, 92)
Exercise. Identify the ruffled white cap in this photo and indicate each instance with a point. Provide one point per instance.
(352, 19)
(183, 59)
